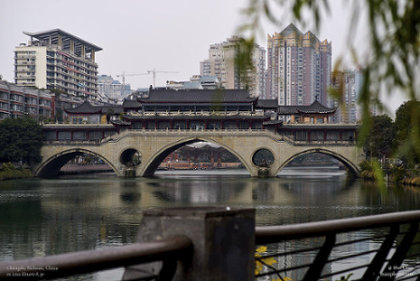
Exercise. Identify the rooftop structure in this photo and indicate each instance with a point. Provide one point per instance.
(315, 113)
(200, 109)
(56, 59)
(222, 96)
(66, 40)
(86, 113)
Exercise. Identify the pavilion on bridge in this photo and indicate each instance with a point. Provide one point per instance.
(167, 109)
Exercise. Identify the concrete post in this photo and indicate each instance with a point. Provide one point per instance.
(223, 242)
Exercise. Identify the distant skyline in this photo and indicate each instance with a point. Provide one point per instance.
(138, 36)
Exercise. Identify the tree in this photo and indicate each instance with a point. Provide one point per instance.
(20, 140)
(393, 64)
(405, 132)
(380, 140)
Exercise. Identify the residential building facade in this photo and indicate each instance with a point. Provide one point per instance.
(205, 68)
(111, 90)
(17, 101)
(349, 82)
(298, 67)
(221, 63)
(56, 59)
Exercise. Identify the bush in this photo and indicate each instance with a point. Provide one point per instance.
(398, 173)
(366, 166)
(8, 171)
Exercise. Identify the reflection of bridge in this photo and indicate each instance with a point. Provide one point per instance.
(140, 152)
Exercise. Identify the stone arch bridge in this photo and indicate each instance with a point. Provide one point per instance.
(150, 147)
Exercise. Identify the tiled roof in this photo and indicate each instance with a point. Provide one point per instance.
(193, 117)
(85, 107)
(267, 103)
(114, 109)
(315, 107)
(131, 104)
(197, 96)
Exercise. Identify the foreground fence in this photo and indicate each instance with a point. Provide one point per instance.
(380, 247)
(219, 244)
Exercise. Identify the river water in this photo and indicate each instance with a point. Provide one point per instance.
(50, 216)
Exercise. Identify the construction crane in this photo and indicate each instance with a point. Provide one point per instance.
(154, 71)
(123, 75)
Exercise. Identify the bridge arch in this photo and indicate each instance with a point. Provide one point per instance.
(154, 161)
(51, 166)
(349, 164)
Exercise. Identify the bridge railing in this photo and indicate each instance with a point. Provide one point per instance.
(218, 244)
(83, 134)
(379, 247)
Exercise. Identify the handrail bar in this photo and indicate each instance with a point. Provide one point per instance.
(273, 234)
(67, 264)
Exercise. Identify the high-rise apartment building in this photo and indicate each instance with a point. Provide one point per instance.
(205, 68)
(56, 59)
(221, 63)
(111, 90)
(298, 67)
(349, 82)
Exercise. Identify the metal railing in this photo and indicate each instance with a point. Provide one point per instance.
(379, 247)
(341, 249)
(169, 251)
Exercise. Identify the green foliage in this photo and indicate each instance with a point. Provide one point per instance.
(20, 140)
(407, 131)
(8, 171)
(398, 173)
(243, 60)
(366, 166)
(380, 139)
(391, 67)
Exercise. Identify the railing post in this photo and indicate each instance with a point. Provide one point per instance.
(223, 242)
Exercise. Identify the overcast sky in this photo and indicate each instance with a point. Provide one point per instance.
(141, 35)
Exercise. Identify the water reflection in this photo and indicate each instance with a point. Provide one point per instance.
(44, 217)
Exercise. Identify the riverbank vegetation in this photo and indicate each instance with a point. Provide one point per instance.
(389, 148)
(389, 69)
(8, 171)
(395, 173)
(20, 146)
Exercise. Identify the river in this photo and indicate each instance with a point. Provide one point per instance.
(50, 216)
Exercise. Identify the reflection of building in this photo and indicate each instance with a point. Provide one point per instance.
(298, 67)
(58, 60)
(221, 63)
(17, 101)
